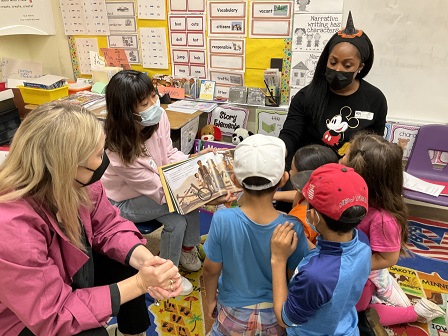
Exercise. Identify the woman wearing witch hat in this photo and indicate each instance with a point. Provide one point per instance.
(338, 102)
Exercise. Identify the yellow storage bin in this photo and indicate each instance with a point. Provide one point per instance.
(40, 96)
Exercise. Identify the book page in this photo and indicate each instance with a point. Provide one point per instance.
(198, 181)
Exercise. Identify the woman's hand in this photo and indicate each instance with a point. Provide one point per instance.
(283, 242)
(160, 278)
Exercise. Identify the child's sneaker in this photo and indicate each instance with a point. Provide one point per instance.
(398, 298)
(369, 323)
(187, 287)
(190, 260)
(427, 310)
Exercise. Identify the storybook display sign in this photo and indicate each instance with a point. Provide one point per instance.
(192, 183)
(228, 118)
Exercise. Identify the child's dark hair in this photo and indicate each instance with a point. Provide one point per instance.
(313, 156)
(258, 181)
(354, 216)
(125, 90)
(380, 163)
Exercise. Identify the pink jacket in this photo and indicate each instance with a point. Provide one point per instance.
(142, 177)
(37, 263)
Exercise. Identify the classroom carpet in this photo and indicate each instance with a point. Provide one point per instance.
(424, 274)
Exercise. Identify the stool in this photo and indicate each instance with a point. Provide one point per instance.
(148, 226)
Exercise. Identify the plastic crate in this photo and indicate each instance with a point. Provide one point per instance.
(41, 96)
(9, 123)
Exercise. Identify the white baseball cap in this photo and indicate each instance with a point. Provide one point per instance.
(260, 156)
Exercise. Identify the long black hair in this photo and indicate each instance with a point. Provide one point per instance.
(125, 91)
(316, 98)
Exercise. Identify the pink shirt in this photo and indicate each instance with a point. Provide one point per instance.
(141, 177)
(37, 264)
(382, 229)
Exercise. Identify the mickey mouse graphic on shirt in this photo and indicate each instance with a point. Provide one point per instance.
(338, 125)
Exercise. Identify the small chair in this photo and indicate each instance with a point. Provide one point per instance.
(148, 226)
(429, 137)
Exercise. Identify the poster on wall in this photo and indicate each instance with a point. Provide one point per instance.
(31, 17)
(312, 31)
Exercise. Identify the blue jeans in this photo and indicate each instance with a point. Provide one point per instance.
(178, 230)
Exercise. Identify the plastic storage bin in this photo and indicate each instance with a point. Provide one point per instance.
(41, 96)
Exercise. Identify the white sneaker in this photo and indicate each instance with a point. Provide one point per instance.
(427, 310)
(190, 260)
(398, 298)
(187, 287)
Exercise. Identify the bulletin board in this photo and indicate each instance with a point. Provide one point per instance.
(259, 52)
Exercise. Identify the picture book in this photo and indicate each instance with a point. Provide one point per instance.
(192, 183)
(207, 90)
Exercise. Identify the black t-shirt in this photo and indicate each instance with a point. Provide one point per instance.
(365, 109)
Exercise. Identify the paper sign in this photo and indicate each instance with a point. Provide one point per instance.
(176, 93)
(18, 69)
(26, 17)
(270, 122)
(116, 57)
(228, 118)
(96, 61)
(413, 183)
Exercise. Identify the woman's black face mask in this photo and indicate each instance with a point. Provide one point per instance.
(97, 173)
(338, 79)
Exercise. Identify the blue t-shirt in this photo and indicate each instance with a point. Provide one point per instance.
(243, 248)
(326, 287)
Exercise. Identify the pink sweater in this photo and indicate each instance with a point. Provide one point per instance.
(141, 177)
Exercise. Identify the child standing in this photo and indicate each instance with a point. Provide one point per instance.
(379, 162)
(137, 142)
(238, 257)
(306, 158)
(327, 284)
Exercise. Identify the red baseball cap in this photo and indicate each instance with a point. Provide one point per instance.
(333, 188)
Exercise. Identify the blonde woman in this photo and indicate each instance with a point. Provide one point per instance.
(57, 224)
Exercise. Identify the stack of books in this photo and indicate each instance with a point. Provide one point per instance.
(94, 102)
(191, 106)
(47, 82)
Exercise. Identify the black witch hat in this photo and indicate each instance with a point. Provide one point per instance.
(350, 30)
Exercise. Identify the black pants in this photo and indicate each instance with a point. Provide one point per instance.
(133, 316)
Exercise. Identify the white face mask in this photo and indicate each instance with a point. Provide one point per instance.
(312, 226)
(152, 115)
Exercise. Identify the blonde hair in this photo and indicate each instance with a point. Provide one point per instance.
(42, 162)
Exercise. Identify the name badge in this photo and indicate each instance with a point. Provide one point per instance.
(364, 115)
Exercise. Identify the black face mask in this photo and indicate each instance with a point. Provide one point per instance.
(97, 173)
(338, 79)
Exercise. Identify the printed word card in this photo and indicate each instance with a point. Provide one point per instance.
(187, 6)
(83, 48)
(270, 19)
(151, 9)
(154, 48)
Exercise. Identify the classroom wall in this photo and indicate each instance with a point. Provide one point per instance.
(411, 55)
(51, 51)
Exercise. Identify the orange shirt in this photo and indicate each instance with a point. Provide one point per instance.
(299, 211)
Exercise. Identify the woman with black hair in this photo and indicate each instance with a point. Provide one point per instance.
(338, 102)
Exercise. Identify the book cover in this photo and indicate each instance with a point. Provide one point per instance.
(207, 91)
(194, 182)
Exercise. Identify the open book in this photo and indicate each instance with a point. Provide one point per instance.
(194, 182)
